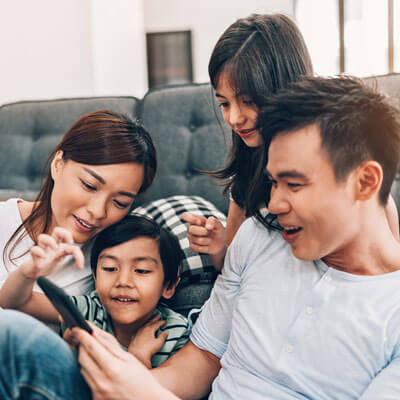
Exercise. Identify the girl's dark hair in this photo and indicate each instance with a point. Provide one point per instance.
(136, 226)
(261, 54)
(98, 138)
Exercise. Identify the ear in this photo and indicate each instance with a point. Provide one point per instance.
(56, 164)
(368, 180)
(169, 290)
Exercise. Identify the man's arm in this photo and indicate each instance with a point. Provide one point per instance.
(386, 385)
(189, 373)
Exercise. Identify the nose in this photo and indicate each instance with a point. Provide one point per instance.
(236, 116)
(124, 278)
(97, 207)
(278, 203)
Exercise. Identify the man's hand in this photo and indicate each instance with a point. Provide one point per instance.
(145, 343)
(112, 373)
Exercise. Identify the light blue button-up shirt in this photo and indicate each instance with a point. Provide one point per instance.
(291, 329)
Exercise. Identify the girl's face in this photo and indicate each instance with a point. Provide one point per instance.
(88, 198)
(239, 111)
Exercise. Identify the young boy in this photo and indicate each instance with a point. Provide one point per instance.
(135, 263)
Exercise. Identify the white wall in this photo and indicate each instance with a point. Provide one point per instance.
(70, 48)
(44, 49)
(207, 19)
(118, 47)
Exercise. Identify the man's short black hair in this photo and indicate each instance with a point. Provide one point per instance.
(356, 122)
(135, 226)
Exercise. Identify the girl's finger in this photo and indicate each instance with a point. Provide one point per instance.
(193, 219)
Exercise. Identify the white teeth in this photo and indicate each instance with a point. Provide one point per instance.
(290, 228)
(125, 300)
(86, 225)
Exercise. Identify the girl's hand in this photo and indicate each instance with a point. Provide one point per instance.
(49, 252)
(206, 235)
(145, 343)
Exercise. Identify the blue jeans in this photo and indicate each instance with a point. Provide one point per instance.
(35, 363)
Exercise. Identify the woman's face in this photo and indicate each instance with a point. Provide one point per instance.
(239, 111)
(88, 198)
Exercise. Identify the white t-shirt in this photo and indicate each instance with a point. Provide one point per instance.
(72, 280)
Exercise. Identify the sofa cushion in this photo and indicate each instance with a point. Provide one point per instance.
(198, 273)
(29, 130)
(188, 138)
(167, 212)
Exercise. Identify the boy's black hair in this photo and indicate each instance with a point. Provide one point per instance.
(135, 226)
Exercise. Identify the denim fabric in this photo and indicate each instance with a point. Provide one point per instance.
(35, 363)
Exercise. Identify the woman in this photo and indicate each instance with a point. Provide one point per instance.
(254, 57)
(101, 164)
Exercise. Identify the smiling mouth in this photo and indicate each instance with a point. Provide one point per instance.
(124, 300)
(291, 230)
(85, 224)
(246, 132)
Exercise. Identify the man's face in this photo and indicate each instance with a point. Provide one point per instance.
(314, 209)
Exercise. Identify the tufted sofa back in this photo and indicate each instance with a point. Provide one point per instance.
(181, 121)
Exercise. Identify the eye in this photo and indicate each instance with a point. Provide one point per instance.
(121, 205)
(294, 185)
(272, 182)
(223, 104)
(142, 271)
(88, 186)
(109, 269)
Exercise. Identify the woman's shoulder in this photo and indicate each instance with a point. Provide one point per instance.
(9, 214)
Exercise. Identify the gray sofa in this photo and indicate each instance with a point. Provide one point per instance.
(184, 127)
(186, 133)
(181, 120)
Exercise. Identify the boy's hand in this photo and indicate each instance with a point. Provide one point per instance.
(145, 343)
(48, 253)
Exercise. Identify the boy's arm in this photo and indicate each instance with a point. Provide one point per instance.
(189, 373)
(17, 293)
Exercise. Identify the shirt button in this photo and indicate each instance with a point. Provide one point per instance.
(328, 278)
(309, 310)
(289, 348)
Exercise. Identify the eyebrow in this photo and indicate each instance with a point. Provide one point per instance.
(288, 174)
(101, 180)
(219, 95)
(134, 259)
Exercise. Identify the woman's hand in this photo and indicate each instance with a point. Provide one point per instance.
(48, 253)
(111, 372)
(145, 343)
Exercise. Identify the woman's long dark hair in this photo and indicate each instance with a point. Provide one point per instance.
(261, 54)
(98, 138)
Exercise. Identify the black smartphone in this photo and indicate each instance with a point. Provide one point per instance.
(63, 304)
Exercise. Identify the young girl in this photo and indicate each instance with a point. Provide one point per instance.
(254, 58)
(101, 164)
(135, 263)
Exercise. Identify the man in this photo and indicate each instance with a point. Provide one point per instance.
(309, 312)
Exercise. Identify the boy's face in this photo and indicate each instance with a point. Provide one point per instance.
(317, 212)
(130, 281)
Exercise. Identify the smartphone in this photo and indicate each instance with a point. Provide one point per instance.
(63, 304)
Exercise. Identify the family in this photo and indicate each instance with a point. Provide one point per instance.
(306, 305)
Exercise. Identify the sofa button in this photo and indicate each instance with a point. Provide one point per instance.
(188, 174)
(192, 127)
